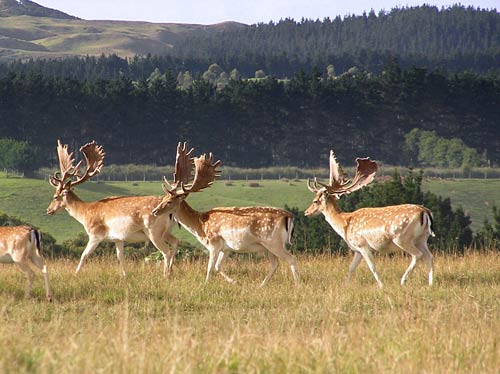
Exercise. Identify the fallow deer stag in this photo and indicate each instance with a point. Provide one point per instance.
(117, 219)
(222, 230)
(22, 245)
(367, 230)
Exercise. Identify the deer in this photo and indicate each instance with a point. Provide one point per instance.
(22, 245)
(264, 230)
(119, 219)
(397, 228)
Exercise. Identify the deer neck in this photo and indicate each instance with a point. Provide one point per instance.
(190, 219)
(335, 217)
(75, 207)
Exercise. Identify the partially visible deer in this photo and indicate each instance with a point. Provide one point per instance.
(386, 229)
(22, 245)
(117, 219)
(223, 230)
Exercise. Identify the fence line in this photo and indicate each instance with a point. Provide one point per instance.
(151, 173)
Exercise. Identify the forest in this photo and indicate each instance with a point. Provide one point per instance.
(456, 39)
(255, 122)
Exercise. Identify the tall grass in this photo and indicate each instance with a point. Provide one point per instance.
(143, 323)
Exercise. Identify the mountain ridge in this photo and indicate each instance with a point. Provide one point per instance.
(9, 8)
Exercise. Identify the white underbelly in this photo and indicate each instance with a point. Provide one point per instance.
(241, 241)
(125, 229)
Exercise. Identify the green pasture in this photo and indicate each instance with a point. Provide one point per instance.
(28, 199)
(476, 196)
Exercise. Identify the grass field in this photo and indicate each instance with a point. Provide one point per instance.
(15, 192)
(476, 196)
(28, 198)
(102, 323)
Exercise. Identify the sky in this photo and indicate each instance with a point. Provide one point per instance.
(249, 12)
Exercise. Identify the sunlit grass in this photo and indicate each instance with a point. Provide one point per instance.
(101, 322)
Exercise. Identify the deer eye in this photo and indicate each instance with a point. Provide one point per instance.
(316, 201)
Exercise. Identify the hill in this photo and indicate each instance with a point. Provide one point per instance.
(456, 38)
(29, 8)
(28, 30)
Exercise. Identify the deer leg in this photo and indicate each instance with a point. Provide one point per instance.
(274, 265)
(146, 245)
(415, 253)
(282, 253)
(413, 262)
(91, 246)
(39, 263)
(422, 245)
(218, 266)
(354, 264)
(162, 246)
(25, 268)
(213, 253)
(119, 254)
(370, 261)
(430, 262)
(174, 243)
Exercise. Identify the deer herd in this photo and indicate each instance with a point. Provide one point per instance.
(258, 229)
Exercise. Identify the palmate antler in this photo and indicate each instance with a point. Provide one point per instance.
(68, 175)
(339, 184)
(182, 170)
(365, 173)
(205, 172)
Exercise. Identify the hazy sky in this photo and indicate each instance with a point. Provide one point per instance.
(214, 11)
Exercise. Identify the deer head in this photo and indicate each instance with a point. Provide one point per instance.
(205, 173)
(69, 174)
(338, 184)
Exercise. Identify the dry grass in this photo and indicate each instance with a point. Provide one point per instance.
(102, 323)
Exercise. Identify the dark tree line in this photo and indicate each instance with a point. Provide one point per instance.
(458, 38)
(254, 123)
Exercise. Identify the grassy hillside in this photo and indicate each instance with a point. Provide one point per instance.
(22, 36)
(101, 322)
(476, 196)
(29, 198)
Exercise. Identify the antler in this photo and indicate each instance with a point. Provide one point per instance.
(182, 170)
(337, 175)
(365, 173)
(339, 184)
(66, 166)
(205, 172)
(314, 188)
(94, 157)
